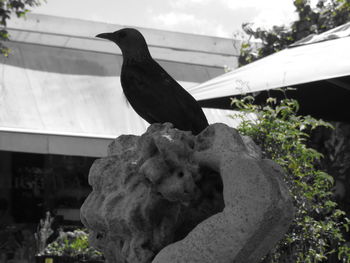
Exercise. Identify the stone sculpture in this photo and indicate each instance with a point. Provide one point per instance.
(169, 196)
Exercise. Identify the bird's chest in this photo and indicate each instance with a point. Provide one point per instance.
(131, 83)
(133, 87)
(137, 84)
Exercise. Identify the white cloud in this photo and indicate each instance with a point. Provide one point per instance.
(189, 23)
(187, 3)
(269, 17)
(271, 12)
(259, 4)
(172, 18)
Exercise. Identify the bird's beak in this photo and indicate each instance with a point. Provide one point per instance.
(104, 35)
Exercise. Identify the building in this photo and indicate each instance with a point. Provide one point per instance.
(61, 104)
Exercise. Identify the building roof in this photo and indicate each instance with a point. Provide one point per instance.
(164, 45)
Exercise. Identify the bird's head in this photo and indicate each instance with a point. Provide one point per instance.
(129, 40)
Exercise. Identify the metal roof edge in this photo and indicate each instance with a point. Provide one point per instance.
(78, 28)
(56, 133)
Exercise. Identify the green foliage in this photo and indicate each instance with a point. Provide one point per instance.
(8, 8)
(317, 232)
(73, 244)
(326, 15)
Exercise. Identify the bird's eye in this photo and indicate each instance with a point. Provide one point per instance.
(122, 34)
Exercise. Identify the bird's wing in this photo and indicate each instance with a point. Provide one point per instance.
(187, 103)
(140, 88)
(132, 85)
(157, 97)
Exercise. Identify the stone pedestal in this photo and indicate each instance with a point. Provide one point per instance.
(169, 196)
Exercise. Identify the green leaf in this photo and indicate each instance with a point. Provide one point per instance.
(326, 177)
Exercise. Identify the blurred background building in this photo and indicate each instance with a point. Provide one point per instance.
(61, 104)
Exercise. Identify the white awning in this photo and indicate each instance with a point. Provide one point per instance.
(53, 95)
(325, 56)
(62, 113)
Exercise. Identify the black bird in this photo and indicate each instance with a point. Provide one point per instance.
(150, 90)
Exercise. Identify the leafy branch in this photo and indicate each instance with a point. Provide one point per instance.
(326, 15)
(318, 230)
(8, 8)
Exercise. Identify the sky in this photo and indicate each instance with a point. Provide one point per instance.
(222, 18)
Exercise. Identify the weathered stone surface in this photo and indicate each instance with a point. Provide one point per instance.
(212, 193)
